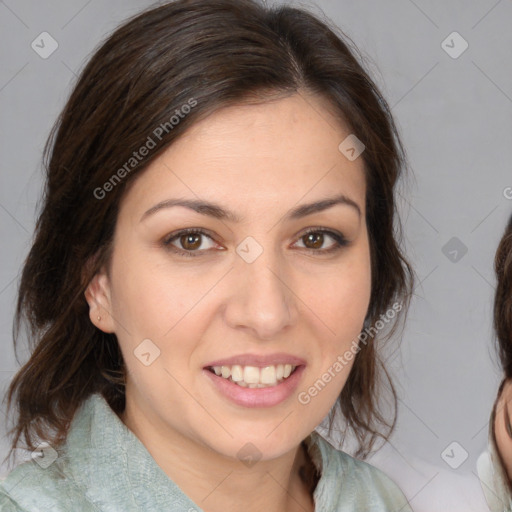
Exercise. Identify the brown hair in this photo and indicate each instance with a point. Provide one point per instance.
(214, 53)
(503, 327)
(503, 300)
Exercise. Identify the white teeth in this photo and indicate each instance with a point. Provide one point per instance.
(237, 373)
(253, 376)
(268, 375)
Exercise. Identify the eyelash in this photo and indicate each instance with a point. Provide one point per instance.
(340, 241)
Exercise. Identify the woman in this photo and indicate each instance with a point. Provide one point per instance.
(495, 467)
(213, 262)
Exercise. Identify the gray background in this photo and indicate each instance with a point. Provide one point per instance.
(454, 115)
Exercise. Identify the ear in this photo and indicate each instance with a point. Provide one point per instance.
(98, 297)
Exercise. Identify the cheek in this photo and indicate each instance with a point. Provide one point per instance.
(148, 299)
(342, 296)
(157, 303)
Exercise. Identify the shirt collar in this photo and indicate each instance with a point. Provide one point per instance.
(114, 467)
(118, 473)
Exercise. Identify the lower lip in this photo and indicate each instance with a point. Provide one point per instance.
(257, 397)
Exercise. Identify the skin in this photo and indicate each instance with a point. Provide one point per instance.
(503, 426)
(259, 161)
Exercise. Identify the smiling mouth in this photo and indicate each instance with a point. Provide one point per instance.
(253, 376)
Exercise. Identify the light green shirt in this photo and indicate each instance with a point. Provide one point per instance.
(104, 467)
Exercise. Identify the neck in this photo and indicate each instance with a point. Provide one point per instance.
(218, 483)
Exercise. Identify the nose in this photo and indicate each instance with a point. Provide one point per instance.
(263, 302)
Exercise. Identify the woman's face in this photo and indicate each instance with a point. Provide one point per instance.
(503, 426)
(248, 288)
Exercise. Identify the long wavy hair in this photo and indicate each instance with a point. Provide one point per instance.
(502, 323)
(503, 300)
(218, 53)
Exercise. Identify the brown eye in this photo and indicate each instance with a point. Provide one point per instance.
(315, 239)
(190, 242)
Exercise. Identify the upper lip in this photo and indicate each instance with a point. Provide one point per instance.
(258, 360)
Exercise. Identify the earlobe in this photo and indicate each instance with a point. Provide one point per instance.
(97, 295)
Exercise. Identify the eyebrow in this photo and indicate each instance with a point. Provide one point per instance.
(214, 210)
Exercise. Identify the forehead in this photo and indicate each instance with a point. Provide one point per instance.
(270, 153)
